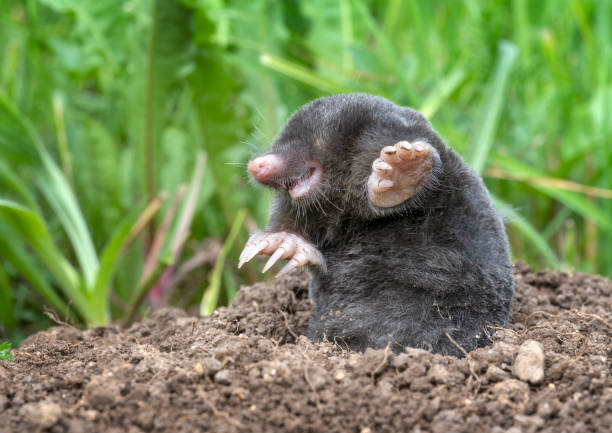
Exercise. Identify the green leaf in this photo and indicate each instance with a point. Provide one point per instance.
(61, 198)
(9, 181)
(13, 252)
(57, 191)
(33, 231)
(5, 352)
(170, 51)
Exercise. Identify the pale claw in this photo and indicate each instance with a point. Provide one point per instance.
(251, 252)
(281, 245)
(399, 173)
(274, 258)
(288, 267)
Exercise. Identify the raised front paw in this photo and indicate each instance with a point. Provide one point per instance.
(399, 173)
(281, 245)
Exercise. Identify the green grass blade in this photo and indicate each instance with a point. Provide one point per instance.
(572, 200)
(527, 230)
(302, 74)
(33, 231)
(211, 295)
(441, 92)
(62, 200)
(491, 108)
(9, 181)
(108, 262)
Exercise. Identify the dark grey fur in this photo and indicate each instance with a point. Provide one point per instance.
(437, 264)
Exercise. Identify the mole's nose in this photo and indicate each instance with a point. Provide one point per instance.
(265, 167)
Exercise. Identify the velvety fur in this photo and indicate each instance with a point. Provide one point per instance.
(433, 267)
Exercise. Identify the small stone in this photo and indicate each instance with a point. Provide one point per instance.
(42, 415)
(223, 377)
(241, 393)
(495, 374)
(439, 373)
(198, 369)
(339, 377)
(529, 362)
(529, 421)
(102, 391)
(210, 366)
(400, 361)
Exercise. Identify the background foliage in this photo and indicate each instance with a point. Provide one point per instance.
(105, 107)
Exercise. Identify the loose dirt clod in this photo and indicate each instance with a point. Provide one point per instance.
(529, 362)
(243, 370)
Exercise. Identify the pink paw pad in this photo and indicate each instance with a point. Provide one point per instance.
(399, 173)
(281, 245)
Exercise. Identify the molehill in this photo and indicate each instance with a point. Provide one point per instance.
(247, 368)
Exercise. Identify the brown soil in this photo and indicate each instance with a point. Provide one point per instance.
(247, 368)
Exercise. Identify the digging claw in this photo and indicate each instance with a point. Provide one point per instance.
(273, 259)
(399, 173)
(281, 245)
(288, 267)
(251, 251)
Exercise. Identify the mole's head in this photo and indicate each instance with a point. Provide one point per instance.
(323, 156)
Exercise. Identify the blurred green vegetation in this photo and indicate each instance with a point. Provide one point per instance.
(105, 107)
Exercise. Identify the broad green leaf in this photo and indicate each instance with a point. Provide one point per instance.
(170, 51)
(59, 194)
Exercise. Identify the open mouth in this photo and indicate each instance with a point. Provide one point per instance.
(302, 185)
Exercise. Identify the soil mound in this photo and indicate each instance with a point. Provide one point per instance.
(248, 369)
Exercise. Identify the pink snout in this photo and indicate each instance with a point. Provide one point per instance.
(265, 167)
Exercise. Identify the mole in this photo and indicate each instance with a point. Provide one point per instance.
(402, 243)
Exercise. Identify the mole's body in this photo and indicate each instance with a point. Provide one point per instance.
(402, 241)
